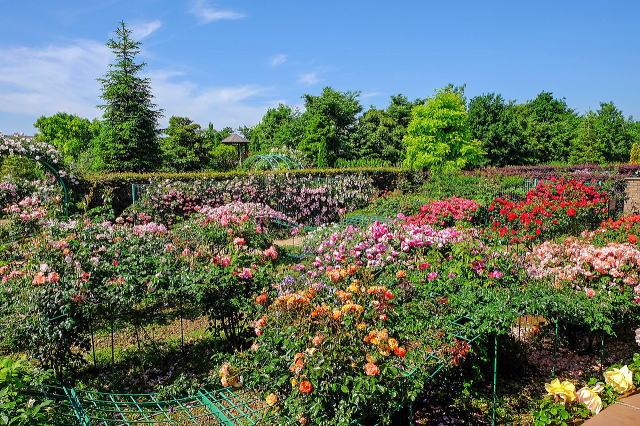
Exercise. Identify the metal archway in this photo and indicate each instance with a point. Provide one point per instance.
(59, 179)
(273, 161)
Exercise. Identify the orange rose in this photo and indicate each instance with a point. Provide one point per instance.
(306, 386)
(401, 274)
(302, 420)
(39, 279)
(371, 369)
(334, 275)
(318, 339)
(400, 351)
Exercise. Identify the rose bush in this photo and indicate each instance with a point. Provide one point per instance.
(554, 207)
(304, 199)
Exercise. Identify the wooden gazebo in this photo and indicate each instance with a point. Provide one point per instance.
(241, 144)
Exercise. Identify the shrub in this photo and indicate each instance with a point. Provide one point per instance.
(17, 407)
(553, 208)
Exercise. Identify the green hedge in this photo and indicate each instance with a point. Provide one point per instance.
(130, 178)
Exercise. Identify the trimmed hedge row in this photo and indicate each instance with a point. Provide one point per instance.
(589, 171)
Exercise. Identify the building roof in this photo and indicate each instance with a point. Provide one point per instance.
(234, 139)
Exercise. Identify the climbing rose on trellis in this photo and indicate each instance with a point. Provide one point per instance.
(18, 144)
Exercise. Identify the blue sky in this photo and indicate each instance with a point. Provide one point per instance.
(226, 62)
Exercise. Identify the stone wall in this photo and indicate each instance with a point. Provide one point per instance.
(632, 192)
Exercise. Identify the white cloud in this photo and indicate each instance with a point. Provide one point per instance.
(44, 81)
(51, 79)
(366, 95)
(278, 59)
(223, 106)
(206, 13)
(144, 29)
(309, 79)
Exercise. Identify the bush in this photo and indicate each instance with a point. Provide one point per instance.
(223, 158)
(17, 406)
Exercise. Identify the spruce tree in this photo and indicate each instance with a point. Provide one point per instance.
(129, 136)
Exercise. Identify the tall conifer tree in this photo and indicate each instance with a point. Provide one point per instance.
(129, 137)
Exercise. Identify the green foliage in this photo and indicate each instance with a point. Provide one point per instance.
(380, 132)
(21, 167)
(329, 120)
(588, 147)
(438, 136)
(557, 413)
(128, 139)
(280, 127)
(613, 132)
(17, 408)
(214, 137)
(223, 158)
(71, 134)
(634, 157)
(549, 126)
(495, 123)
(362, 162)
(184, 148)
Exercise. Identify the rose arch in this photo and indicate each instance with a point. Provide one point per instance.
(42, 152)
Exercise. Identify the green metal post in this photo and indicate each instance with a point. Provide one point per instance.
(62, 183)
(555, 349)
(495, 378)
(602, 353)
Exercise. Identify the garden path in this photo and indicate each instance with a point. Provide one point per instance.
(625, 412)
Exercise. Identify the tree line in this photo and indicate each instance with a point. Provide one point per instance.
(334, 129)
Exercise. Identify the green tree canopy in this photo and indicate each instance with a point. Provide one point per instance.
(280, 127)
(549, 127)
(614, 132)
(495, 122)
(129, 137)
(439, 138)
(72, 135)
(588, 147)
(329, 120)
(184, 148)
(379, 132)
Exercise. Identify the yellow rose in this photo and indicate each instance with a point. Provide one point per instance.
(272, 399)
(590, 398)
(565, 391)
(621, 379)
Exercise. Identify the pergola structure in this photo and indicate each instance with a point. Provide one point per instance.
(241, 144)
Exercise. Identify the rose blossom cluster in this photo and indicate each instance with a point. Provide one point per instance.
(379, 244)
(237, 212)
(443, 212)
(18, 144)
(551, 206)
(303, 198)
(585, 266)
(28, 209)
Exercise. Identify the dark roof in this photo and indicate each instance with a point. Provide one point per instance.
(234, 139)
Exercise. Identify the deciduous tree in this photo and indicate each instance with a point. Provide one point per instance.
(439, 137)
